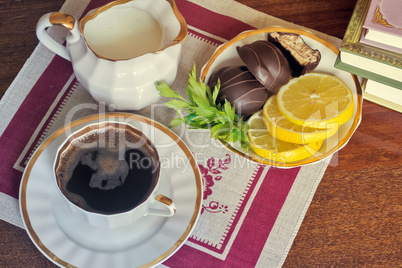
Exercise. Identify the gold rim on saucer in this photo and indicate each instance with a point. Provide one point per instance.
(102, 117)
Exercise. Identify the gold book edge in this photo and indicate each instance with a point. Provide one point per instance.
(350, 42)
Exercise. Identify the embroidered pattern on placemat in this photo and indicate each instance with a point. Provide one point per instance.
(223, 205)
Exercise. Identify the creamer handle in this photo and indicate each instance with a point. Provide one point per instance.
(56, 18)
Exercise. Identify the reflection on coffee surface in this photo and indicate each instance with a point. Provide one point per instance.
(106, 171)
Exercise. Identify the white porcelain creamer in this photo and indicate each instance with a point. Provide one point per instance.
(120, 50)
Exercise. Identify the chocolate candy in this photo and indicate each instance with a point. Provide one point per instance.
(240, 88)
(267, 63)
(301, 57)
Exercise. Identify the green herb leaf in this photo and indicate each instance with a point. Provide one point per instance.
(229, 110)
(176, 122)
(177, 105)
(203, 111)
(166, 91)
(215, 93)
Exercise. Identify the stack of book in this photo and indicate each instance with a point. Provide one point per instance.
(372, 49)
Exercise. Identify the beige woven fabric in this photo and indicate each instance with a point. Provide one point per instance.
(195, 50)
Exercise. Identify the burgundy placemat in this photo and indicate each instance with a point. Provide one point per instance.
(250, 213)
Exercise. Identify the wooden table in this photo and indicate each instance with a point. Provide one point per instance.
(355, 217)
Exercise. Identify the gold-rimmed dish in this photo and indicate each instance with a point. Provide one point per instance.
(226, 55)
(69, 241)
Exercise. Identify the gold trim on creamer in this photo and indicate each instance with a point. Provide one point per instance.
(102, 118)
(183, 24)
(179, 38)
(318, 156)
(62, 19)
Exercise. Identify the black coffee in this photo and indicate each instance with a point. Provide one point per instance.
(106, 179)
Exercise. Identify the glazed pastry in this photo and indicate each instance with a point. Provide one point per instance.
(267, 63)
(301, 57)
(240, 88)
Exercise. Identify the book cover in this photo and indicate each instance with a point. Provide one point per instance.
(382, 26)
(385, 16)
(367, 74)
(371, 65)
(366, 41)
(353, 53)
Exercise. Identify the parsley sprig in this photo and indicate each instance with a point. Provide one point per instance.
(201, 111)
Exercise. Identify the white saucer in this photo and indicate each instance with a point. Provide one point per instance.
(70, 242)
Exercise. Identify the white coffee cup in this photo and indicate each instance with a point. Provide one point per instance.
(108, 174)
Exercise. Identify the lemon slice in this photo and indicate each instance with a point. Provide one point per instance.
(265, 145)
(316, 100)
(284, 130)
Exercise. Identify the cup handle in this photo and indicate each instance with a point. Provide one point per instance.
(168, 204)
(56, 18)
